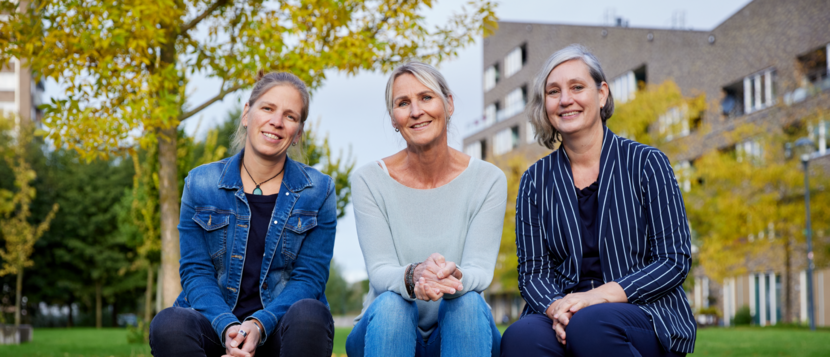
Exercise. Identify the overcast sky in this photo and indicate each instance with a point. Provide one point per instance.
(352, 110)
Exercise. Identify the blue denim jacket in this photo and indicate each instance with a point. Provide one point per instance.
(213, 232)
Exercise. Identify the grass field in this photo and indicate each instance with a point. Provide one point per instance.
(733, 342)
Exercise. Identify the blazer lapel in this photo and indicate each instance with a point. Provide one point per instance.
(568, 211)
(606, 199)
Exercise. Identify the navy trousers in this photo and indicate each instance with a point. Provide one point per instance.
(613, 329)
(307, 329)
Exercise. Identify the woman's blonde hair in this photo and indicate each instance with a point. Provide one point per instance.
(264, 83)
(428, 75)
(546, 134)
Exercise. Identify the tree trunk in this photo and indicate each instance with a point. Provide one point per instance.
(788, 303)
(169, 202)
(148, 295)
(18, 295)
(98, 304)
(69, 321)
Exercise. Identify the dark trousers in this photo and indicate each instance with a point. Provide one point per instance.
(307, 329)
(613, 329)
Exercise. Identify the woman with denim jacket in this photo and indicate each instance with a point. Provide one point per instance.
(429, 221)
(256, 233)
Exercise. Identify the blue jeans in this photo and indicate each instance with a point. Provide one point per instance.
(612, 329)
(390, 328)
(306, 329)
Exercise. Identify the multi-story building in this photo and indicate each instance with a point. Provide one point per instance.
(768, 53)
(20, 94)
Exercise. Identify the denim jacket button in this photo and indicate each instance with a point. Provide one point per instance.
(265, 286)
(275, 222)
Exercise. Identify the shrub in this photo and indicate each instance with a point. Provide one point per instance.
(742, 316)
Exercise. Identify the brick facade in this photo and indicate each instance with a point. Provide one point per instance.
(764, 36)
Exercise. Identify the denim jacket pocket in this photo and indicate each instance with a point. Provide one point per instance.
(297, 226)
(215, 224)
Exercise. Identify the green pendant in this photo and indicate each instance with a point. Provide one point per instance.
(257, 191)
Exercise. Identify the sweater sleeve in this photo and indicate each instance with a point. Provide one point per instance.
(385, 271)
(481, 247)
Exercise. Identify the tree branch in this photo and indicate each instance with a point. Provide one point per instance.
(202, 16)
(210, 101)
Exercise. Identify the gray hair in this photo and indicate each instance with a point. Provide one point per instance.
(546, 134)
(264, 83)
(428, 76)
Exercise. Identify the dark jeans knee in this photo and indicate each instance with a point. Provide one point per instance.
(179, 331)
(173, 323)
(306, 329)
(309, 312)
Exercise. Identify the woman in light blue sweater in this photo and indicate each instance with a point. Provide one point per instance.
(429, 220)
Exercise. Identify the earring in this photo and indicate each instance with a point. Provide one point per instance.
(397, 130)
(294, 144)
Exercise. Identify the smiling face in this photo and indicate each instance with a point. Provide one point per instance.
(273, 122)
(418, 112)
(572, 99)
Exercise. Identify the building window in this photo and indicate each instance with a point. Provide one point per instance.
(514, 103)
(490, 114)
(674, 124)
(514, 61)
(491, 77)
(530, 133)
(753, 93)
(819, 133)
(683, 174)
(759, 91)
(815, 71)
(814, 66)
(624, 86)
(506, 140)
(477, 150)
(749, 150)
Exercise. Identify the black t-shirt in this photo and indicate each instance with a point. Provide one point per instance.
(249, 300)
(590, 271)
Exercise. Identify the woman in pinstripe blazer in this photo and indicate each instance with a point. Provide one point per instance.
(601, 231)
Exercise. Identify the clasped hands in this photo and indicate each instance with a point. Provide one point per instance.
(435, 277)
(237, 345)
(561, 311)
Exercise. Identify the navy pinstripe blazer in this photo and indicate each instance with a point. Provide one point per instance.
(644, 241)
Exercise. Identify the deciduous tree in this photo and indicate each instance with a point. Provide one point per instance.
(125, 64)
(16, 229)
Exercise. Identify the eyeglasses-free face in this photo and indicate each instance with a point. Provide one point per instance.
(418, 112)
(572, 99)
(273, 121)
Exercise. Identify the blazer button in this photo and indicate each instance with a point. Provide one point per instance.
(265, 286)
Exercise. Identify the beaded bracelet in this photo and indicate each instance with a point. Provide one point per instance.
(409, 279)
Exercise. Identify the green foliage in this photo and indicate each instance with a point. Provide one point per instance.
(125, 66)
(138, 334)
(343, 298)
(753, 206)
(506, 275)
(743, 317)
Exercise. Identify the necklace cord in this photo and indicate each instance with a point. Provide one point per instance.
(252, 177)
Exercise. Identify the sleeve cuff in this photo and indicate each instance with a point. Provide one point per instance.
(222, 322)
(264, 332)
(223, 333)
(268, 321)
(629, 289)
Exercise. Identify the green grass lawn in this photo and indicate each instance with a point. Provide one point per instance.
(746, 341)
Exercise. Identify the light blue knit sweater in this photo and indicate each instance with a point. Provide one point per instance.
(398, 225)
